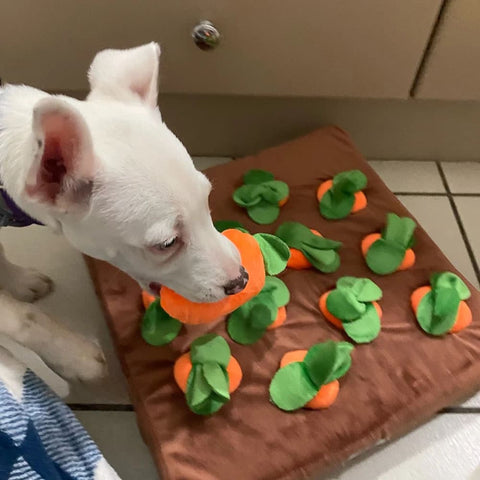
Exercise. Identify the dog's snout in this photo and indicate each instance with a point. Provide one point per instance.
(238, 284)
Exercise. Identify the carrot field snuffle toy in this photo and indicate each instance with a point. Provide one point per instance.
(207, 374)
(342, 195)
(262, 196)
(308, 248)
(390, 250)
(264, 312)
(441, 308)
(352, 306)
(309, 379)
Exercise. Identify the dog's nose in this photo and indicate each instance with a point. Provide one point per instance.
(238, 284)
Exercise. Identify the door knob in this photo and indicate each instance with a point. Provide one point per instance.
(205, 35)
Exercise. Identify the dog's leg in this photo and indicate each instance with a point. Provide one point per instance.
(24, 284)
(71, 355)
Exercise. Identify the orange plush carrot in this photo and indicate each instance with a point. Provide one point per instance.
(441, 307)
(326, 395)
(390, 251)
(195, 313)
(341, 196)
(309, 378)
(297, 259)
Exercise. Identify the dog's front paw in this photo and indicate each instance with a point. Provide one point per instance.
(28, 285)
(86, 362)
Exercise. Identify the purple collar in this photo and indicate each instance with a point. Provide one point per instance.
(11, 215)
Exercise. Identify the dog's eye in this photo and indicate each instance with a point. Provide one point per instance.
(165, 245)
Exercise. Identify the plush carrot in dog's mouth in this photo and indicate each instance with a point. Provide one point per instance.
(440, 307)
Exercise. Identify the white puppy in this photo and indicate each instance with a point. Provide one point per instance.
(110, 176)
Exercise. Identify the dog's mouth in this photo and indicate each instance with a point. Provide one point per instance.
(155, 288)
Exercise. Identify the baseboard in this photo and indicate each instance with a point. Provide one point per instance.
(387, 129)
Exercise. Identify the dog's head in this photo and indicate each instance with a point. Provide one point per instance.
(122, 186)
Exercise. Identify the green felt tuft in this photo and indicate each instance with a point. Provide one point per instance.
(217, 379)
(291, 387)
(327, 361)
(158, 327)
(277, 289)
(248, 323)
(257, 176)
(222, 225)
(264, 213)
(210, 348)
(261, 195)
(319, 251)
(295, 384)
(365, 328)
(351, 302)
(338, 201)
(386, 254)
(208, 383)
(275, 252)
(438, 309)
(344, 305)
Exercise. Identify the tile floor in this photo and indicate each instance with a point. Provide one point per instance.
(445, 199)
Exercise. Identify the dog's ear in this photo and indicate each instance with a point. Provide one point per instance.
(127, 75)
(62, 172)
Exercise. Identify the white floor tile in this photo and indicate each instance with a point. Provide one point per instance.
(444, 449)
(206, 162)
(469, 212)
(436, 217)
(463, 177)
(73, 302)
(409, 176)
(117, 436)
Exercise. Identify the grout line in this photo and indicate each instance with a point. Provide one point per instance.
(428, 49)
(422, 194)
(461, 227)
(475, 195)
(461, 410)
(100, 407)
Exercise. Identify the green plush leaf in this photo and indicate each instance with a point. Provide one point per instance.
(277, 290)
(210, 348)
(399, 230)
(364, 289)
(320, 243)
(384, 257)
(327, 361)
(247, 195)
(257, 176)
(450, 280)
(366, 328)
(217, 378)
(327, 261)
(441, 322)
(240, 328)
(261, 316)
(344, 305)
(294, 234)
(275, 252)
(263, 212)
(222, 225)
(291, 387)
(158, 327)
(211, 405)
(274, 191)
(336, 205)
(351, 181)
(198, 389)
